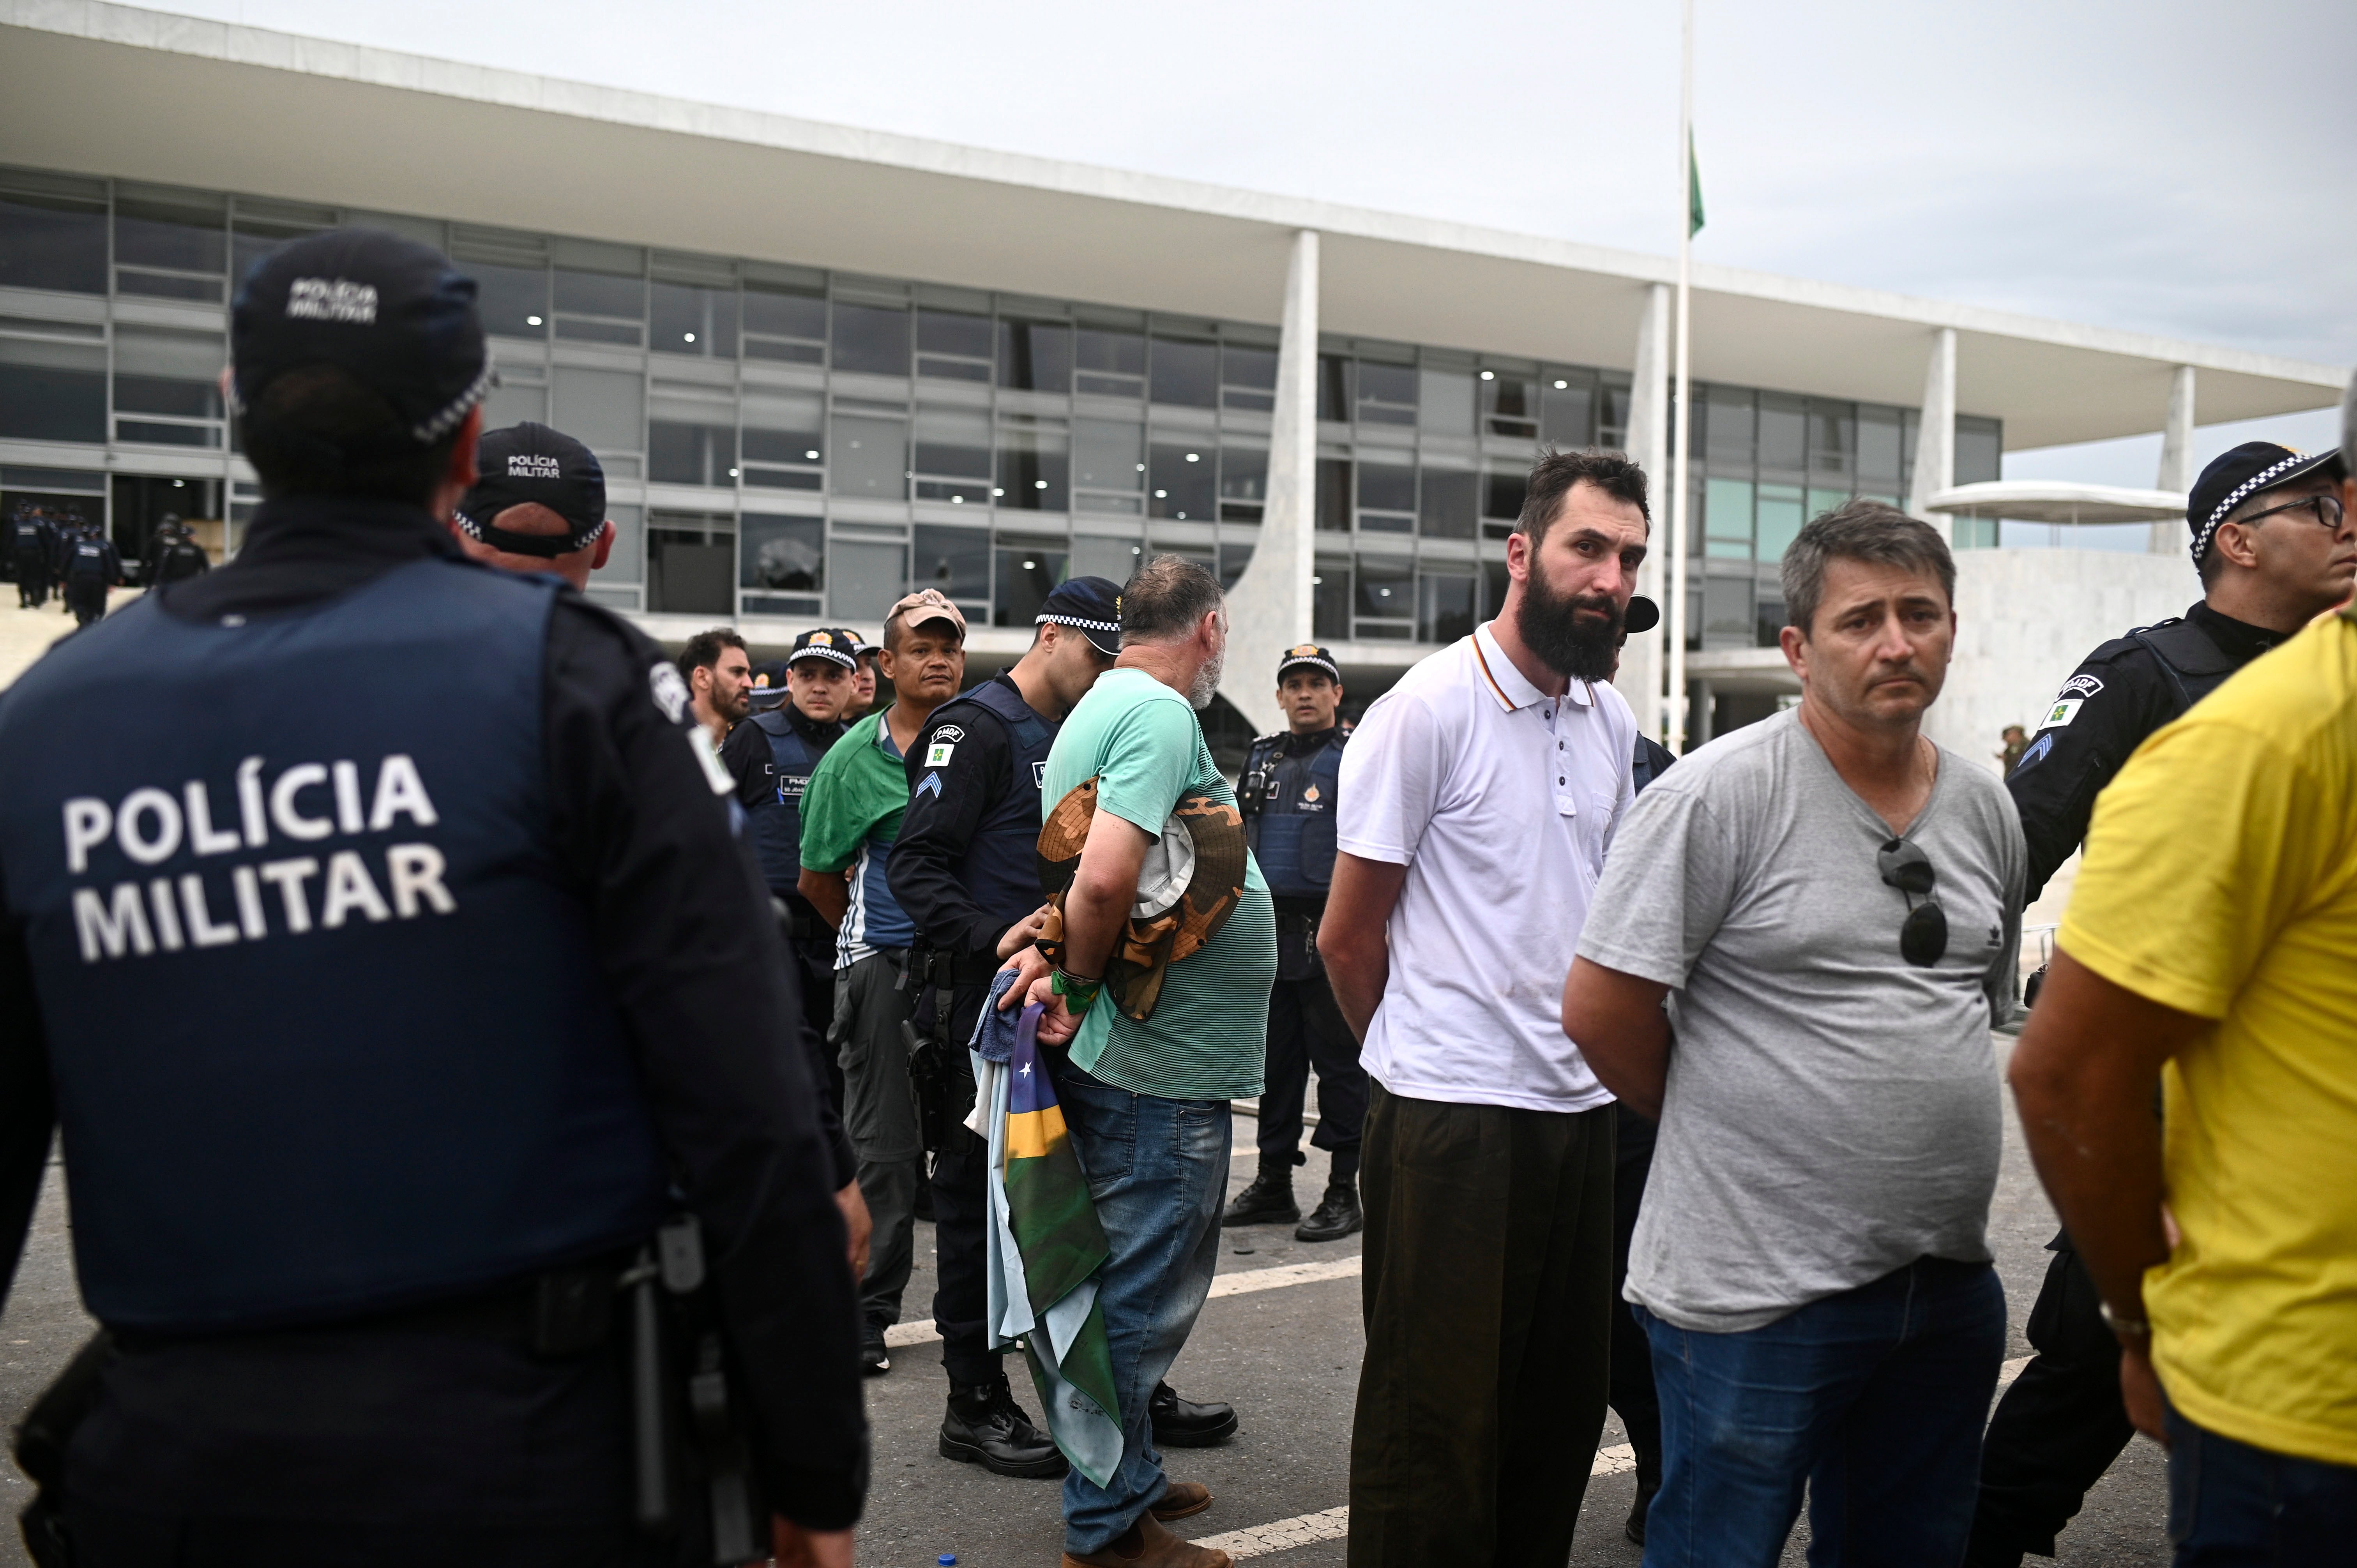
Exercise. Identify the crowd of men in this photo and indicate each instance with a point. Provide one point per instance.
(523, 1164)
(58, 548)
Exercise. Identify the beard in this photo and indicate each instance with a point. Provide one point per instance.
(1583, 652)
(1206, 684)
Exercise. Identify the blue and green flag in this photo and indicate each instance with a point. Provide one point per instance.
(1046, 1248)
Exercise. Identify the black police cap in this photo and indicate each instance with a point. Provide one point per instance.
(1308, 655)
(527, 465)
(829, 643)
(1091, 605)
(2233, 478)
(394, 314)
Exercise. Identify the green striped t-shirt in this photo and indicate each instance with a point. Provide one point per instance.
(1207, 1036)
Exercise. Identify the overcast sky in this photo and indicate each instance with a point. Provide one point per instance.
(2158, 164)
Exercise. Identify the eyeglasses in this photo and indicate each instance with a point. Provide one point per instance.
(2328, 510)
(1924, 935)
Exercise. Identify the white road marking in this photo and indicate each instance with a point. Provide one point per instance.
(1305, 1530)
(1244, 1282)
(1283, 1535)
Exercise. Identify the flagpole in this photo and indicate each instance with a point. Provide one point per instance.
(1676, 726)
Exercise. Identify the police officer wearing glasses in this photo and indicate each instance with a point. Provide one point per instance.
(2275, 550)
(1291, 784)
(387, 1027)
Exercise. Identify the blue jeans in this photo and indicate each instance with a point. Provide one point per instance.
(1873, 1398)
(1158, 1171)
(2233, 1506)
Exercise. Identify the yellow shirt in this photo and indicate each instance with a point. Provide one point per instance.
(2221, 879)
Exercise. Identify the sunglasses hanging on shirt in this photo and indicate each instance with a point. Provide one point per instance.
(1924, 935)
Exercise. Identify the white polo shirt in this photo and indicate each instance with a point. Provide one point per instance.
(1500, 800)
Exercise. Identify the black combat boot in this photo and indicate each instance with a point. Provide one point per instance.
(1269, 1199)
(1182, 1423)
(984, 1426)
(1335, 1215)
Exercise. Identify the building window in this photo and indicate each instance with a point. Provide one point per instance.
(784, 324)
(1108, 465)
(953, 346)
(1185, 373)
(53, 242)
(1111, 364)
(1182, 476)
(1035, 355)
(871, 340)
(869, 456)
(1035, 461)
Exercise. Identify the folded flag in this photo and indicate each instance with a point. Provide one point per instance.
(1046, 1248)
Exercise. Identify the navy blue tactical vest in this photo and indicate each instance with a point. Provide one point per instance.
(1000, 871)
(778, 820)
(280, 943)
(1291, 824)
(87, 559)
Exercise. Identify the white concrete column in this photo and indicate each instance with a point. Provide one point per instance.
(1706, 701)
(1271, 604)
(2176, 458)
(1935, 434)
(1640, 679)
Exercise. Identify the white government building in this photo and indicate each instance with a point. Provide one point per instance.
(825, 364)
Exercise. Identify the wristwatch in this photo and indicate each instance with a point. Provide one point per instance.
(2123, 1327)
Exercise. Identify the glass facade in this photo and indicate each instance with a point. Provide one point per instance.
(794, 442)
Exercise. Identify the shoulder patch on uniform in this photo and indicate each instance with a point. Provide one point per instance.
(938, 754)
(670, 690)
(949, 733)
(1039, 775)
(2037, 752)
(932, 785)
(2061, 714)
(2082, 683)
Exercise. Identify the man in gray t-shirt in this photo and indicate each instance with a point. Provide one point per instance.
(1831, 905)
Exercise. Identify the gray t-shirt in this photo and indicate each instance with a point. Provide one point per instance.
(1832, 1112)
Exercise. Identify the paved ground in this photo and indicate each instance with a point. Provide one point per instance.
(26, 635)
(1286, 1357)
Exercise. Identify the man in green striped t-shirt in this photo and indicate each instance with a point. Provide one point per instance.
(1146, 1103)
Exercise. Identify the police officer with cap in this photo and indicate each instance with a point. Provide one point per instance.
(36, 544)
(385, 1032)
(770, 755)
(2275, 549)
(1291, 782)
(92, 566)
(538, 504)
(965, 869)
(178, 557)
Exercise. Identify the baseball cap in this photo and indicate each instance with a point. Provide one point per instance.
(529, 464)
(395, 314)
(1310, 654)
(860, 647)
(2233, 478)
(924, 604)
(1091, 604)
(824, 642)
(1192, 880)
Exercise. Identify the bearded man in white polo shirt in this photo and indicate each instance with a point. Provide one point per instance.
(1478, 795)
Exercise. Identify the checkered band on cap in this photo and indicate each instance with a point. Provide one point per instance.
(2238, 495)
(1083, 622)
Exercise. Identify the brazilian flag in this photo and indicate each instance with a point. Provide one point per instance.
(1048, 1278)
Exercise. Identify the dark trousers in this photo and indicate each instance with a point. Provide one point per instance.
(1488, 1300)
(2231, 1504)
(879, 1116)
(86, 597)
(2058, 1428)
(961, 1215)
(814, 959)
(356, 1448)
(1306, 1030)
(1632, 1354)
(32, 580)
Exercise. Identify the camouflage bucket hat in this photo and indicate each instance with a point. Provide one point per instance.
(1193, 880)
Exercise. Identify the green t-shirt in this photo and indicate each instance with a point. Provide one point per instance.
(851, 815)
(1207, 1036)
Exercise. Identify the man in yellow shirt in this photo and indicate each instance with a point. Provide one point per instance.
(2212, 942)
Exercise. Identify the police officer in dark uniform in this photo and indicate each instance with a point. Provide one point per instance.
(965, 869)
(1291, 783)
(179, 557)
(92, 566)
(385, 1032)
(770, 755)
(2274, 551)
(34, 544)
